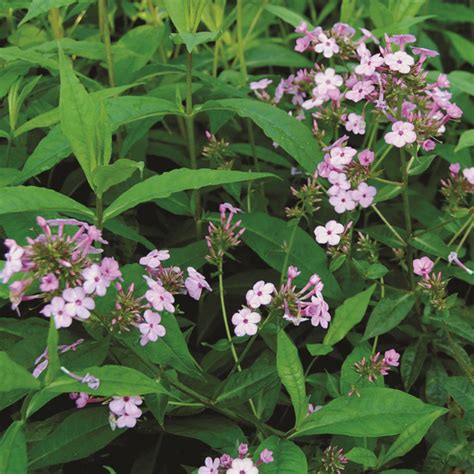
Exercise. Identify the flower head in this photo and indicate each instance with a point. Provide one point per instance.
(154, 258)
(327, 46)
(245, 322)
(401, 134)
(329, 234)
(392, 357)
(151, 329)
(399, 61)
(423, 266)
(260, 294)
(78, 304)
(364, 195)
(195, 283)
(57, 309)
(242, 466)
(211, 466)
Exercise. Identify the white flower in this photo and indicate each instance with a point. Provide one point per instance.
(195, 283)
(242, 466)
(341, 156)
(327, 46)
(260, 294)
(159, 297)
(262, 84)
(368, 64)
(468, 173)
(151, 329)
(327, 81)
(399, 61)
(330, 233)
(211, 466)
(342, 202)
(13, 258)
(56, 309)
(401, 134)
(78, 303)
(245, 322)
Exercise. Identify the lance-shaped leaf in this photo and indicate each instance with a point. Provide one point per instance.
(14, 376)
(13, 458)
(288, 458)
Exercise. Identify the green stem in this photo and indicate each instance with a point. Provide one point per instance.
(382, 157)
(240, 41)
(99, 212)
(387, 181)
(191, 137)
(284, 268)
(385, 221)
(407, 216)
(56, 24)
(105, 34)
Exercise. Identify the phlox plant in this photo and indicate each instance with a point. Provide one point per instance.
(236, 237)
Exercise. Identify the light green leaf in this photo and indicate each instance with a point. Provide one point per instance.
(267, 54)
(288, 458)
(411, 436)
(291, 374)
(32, 198)
(361, 416)
(109, 175)
(38, 7)
(290, 134)
(191, 40)
(462, 391)
(53, 357)
(362, 456)
(388, 313)
(289, 16)
(463, 46)
(174, 181)
(462, 81)
(318, 349)
(466, 140)
(347, 316)
(114, 381)
(14, 376)
(78, 436)
(13, 457)
(420, 164)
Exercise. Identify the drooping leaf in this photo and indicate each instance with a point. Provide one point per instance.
(363, 456)
(38, 7)
(174, 181)
(288, 458)
(191, 40)
(291, 374)
(466, 140)
(109, 175)
(14, 376)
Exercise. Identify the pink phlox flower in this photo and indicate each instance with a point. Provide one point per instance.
(392, 357)
(468, 173)
(341, 156)
(355, 124)
(343, 29)
(78, 304)
(154, 258)
(368, 64)
(245, 322)
(49, 283)
(329, 234)
(158, 296)
(402, 40)
(360, 90)
(195, 283)
(262, 84)
(242, 466)
(327, 46)
(151, 329)
(13, 257)
(423, 266)
(399, 62)
(364, 195)
(211, 466)
(260, 294)
(318, 311)
(266, 456)
(327, 81)
(94, 281)
(313, 408)
(402, 133)
(342, 202)
(366, 157)
(110, 269)
(57, 309)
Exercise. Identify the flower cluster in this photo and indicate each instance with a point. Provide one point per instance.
(225, 235)
(432, 283)
(242, 464)
(370, 368)
(307, 198)
(66, 266)
(218, 152)
(347, 174)
(458, 186)
(388, 79)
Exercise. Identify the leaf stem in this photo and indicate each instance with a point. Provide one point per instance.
(240, 42)
(382, 157)
(390, 227)
(296, 223)
(105, 34)
(99, 212)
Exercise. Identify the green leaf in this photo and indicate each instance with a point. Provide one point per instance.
(462, 46)
(431, 243)
(246, 384)
(38, 7)
(362, 416)
(466, 140)
(412, 362)
(318, 349)
(420, 164)
(362, 456)
(462, 391)
(174, 181)
(291, 374)
(288, 458)
(191, 40)
(388, 313)
(78, 436)
(347, 316)
(13, 458)
(204, 429)
(109, 175)
(53, 357)
(289, 16)
(114, 380)
(269, 237)
(14, 376)
(83, 121)
(387, 192)
(32, 198)
(294, 137)
(266, 54)
(462, 81)
(411, 436)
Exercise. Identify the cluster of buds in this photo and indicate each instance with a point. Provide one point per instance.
(374, 366)
(368, 247)
(389, 79)
(218, 152)
(67, 267)
(346, 174)
(432, 283)
(307, 198)
(458, 186)
(336, 236)
(225, 235)
(305, 304)
(241, 464)
(333, 461)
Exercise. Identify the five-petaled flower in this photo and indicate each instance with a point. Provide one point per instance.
(329, 234)
(245, 322)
